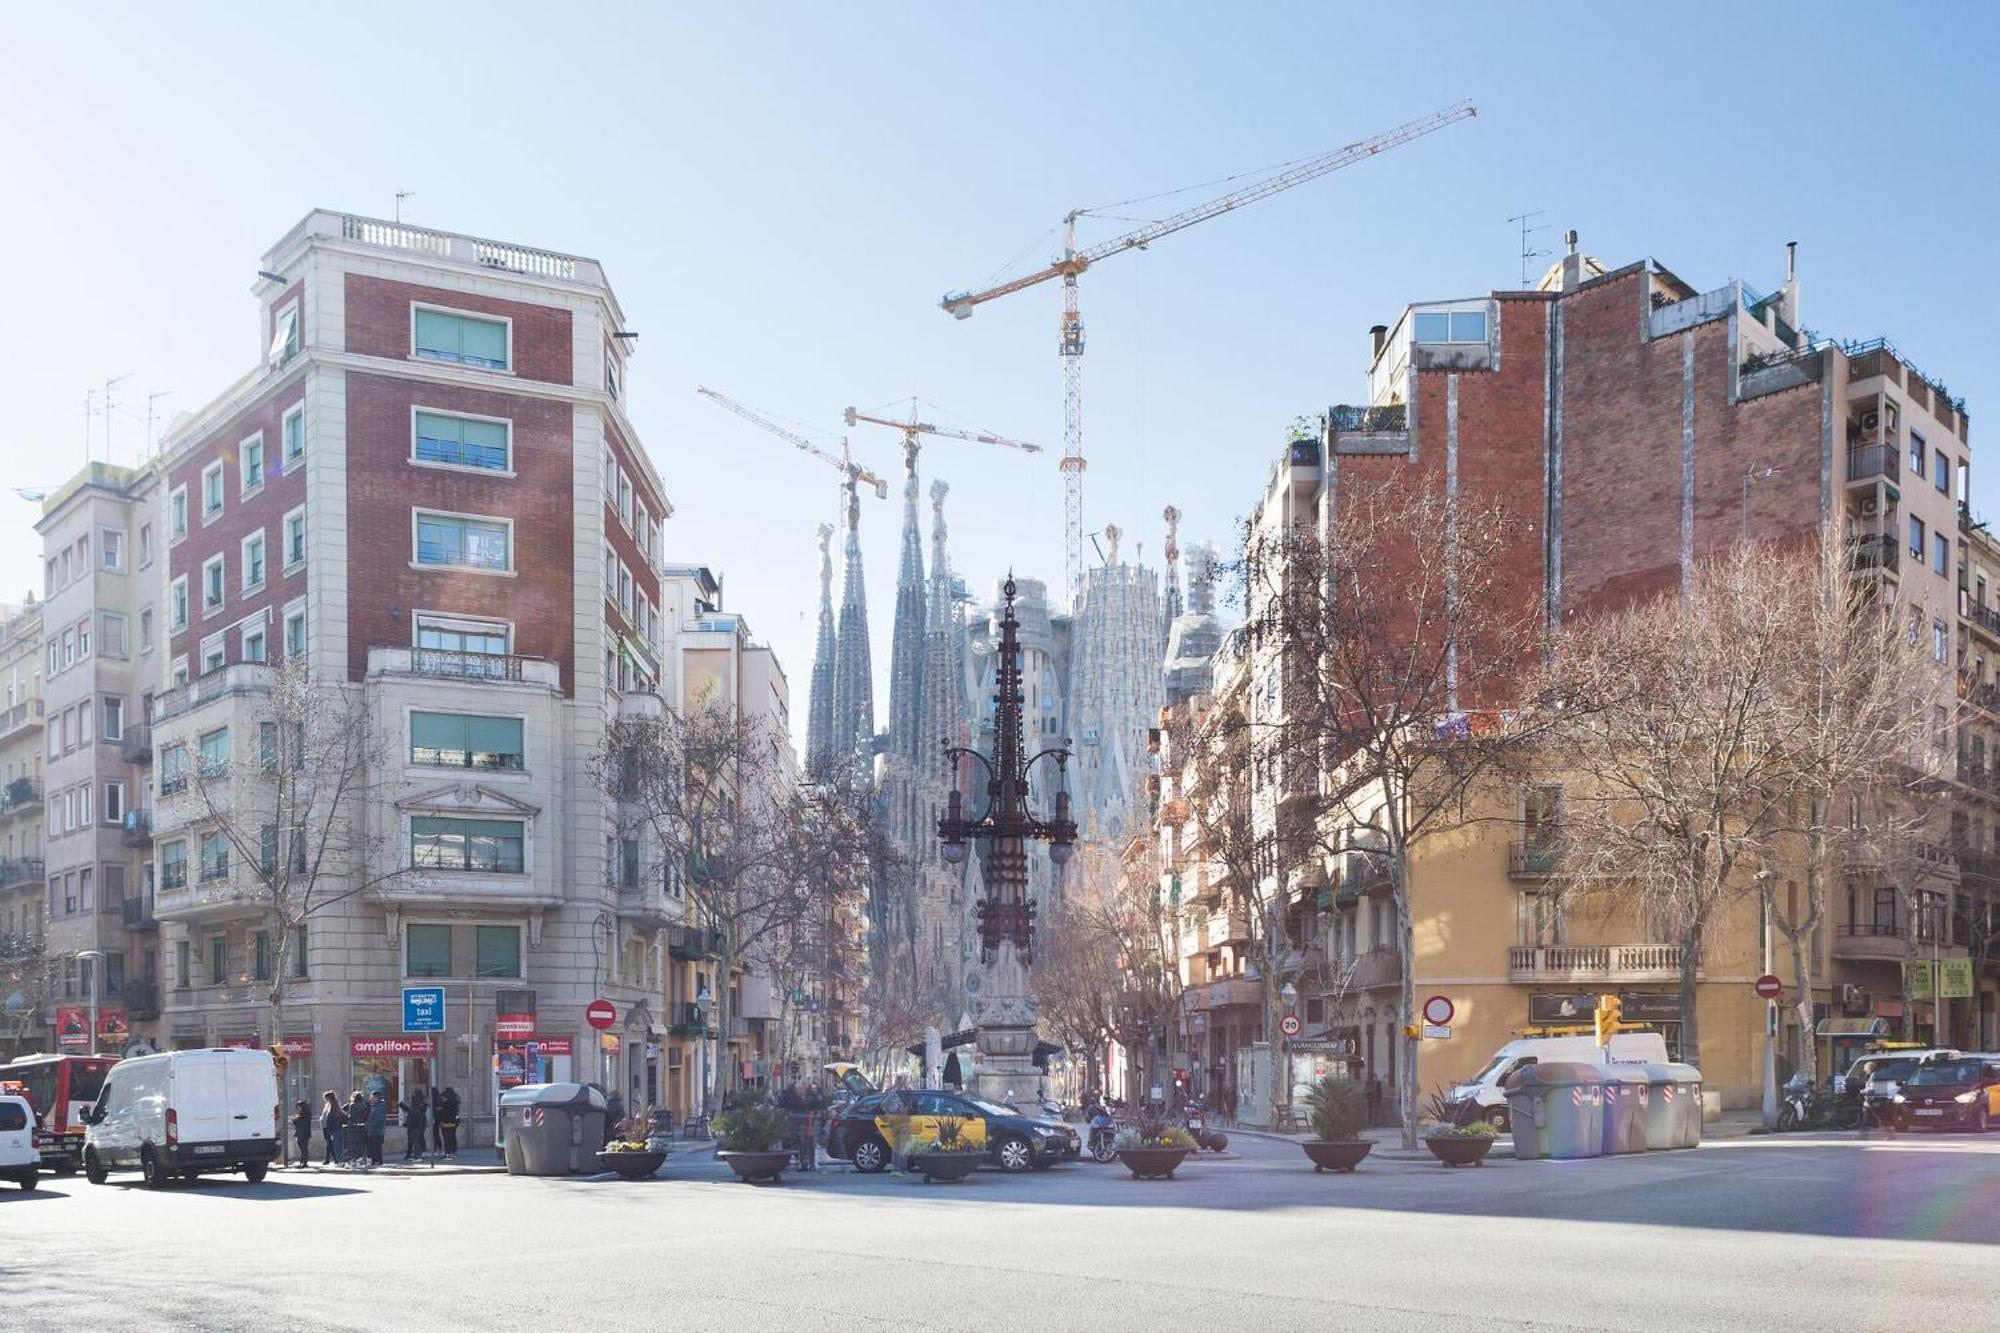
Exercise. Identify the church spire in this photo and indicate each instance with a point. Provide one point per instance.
(819, 717)
(906, 650)
(853, 731)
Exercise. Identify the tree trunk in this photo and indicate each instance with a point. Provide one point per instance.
(1691, 942)
(725, 1065)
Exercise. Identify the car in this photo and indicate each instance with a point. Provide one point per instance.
(1015, 1142)
(184, 1113)
(20, 1159)
(847, 1122)
(1950, 1094)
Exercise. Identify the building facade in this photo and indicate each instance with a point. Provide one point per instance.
(25, 997)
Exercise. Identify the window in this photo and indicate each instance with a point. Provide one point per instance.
(252, 554)
(463, 636)
(427, 951)
(496, 951)
(451, 441)
(458, 740)
(450, 541)
(299, 950)
(260, 956)
(1940, 553)
(83, 640)
(1916, 537)
(1940, 473)
(183, 964)
(1450, 326)
(114, 803)
(255, 643)
(173, 774)
(1940, 640)
(295, 633)
(111, 548)
(218, 959)
(214, 749)
(146, 631)
(111, 636)
(451, 843)
(250, 457)
(212, 590)
(439, 335)
(295, 537)
(213, 655)
(267, 746)
(145, 545)
(214, 856)
(285, 333)
(177, 513)
(293, 431)
(1916, 456)
(624, 499)
(114, 718)
(211, 491)
(177, 603)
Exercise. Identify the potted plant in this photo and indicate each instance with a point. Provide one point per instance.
(946, 1157)
(1336, 1108)
(1152, 1148)
(748, 1136)
(1460, 1145)
(631, 1153)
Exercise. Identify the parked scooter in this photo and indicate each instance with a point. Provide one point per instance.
(1102, 1144)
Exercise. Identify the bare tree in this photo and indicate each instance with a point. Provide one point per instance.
(292, 818)
(28, 979)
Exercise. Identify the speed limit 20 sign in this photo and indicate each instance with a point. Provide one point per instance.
(1289, 1025)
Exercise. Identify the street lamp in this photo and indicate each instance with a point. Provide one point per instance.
(95, 957)
(1005, 914)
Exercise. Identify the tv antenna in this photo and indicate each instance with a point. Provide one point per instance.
(401, 195)
(1528, 251)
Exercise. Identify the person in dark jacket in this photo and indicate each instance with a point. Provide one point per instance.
(302, 1132)
(414, 1118)
(332, 1120)
(447, 1122)
(378, 1126)
(437, 1121)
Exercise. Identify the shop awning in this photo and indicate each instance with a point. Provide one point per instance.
(1852, 1027)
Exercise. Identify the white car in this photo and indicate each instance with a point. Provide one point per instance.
(20, 1160)
(185, 1113)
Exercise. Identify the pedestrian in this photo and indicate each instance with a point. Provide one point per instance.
(302, 1132)
(1373, 1097)
(792, 1101)
(332, 1120)
(437, 1121)
(413, 1125)
(378, 1125)
(447, 1123)
(815, 1108)
(896, 1115)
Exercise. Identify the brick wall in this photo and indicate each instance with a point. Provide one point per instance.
(378, 324)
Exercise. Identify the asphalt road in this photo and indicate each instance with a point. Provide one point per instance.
(1804, 1232)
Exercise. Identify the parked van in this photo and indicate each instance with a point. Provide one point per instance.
(20, 1159)
(186, 1112)
(1484, 1095)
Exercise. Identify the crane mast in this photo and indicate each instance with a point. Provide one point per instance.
(1073, 262)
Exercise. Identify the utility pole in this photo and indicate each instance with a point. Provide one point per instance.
(1770, 1106)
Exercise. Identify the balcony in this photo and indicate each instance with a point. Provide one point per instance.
(142, 1001)
(20, 945)
(1871, 942)
(20, 795)
(1380, 966)
(471, 668)
(1370, 430)
(21, 717)
(1223, 992)
(648, 905)
(1878, 552)
(243, 678)
(1868, 462)
(1532, 860)
(1594, 962)
(641, 705)
(1986, 620)
(216, 898)
(691, 944)
(136, 745)
(139, 914)
(1225, 928)
(18, 870)
(687, 1021)
(137, 830)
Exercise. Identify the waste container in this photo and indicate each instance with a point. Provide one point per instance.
(1625, 1095)
(1673, 1106)
(1557, 1110)
(552, 1129)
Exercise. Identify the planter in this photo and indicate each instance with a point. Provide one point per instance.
(1152, 1163)
(1459, 1152)
(632, 1165)
(1336, 1154)
(758, 1166)
(947, 1165)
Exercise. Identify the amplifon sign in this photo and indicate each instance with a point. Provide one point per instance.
(365, 1048)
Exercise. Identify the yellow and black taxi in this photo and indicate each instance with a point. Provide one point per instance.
(1962, 1093)
(864, 1131)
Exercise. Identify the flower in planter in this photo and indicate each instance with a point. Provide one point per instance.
(1477, 1129)
(1153, 1131)
(1336, 1108)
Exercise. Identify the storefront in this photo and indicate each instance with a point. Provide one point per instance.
(392, 1066)
(1650, 1010)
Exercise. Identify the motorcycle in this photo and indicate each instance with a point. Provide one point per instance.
(1805, 1106)
(1102, 1145)
(1196, 1120)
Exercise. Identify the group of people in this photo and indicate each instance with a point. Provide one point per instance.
(804, 1104)
(357, 1129)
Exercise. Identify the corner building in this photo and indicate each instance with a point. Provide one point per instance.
(428, 492)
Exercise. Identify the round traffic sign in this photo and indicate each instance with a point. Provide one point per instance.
(1769, 987)
(1289, 1025)
(1438, 1010)
(600, 1014)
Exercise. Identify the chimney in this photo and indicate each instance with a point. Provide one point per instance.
(1377, 335)
(1572, 263)
(1788, 296)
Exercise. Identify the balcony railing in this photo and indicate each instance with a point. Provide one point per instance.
(692, 944)
(26, 713)
(446, 664)
(239, 678)
(1380, 966)
(142, 1001)
(1532, 860)
(1987, 618)
(20, 794)
(137, 830)
(1881, 551)
(22, 870)
(1865, 462)
(139, 914)
(18, 945)
(1594, 962)
(136, 745)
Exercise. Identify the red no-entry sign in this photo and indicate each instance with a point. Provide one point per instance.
(600, 1014)
(1769, 987)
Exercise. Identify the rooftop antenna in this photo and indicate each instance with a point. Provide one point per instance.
(1528, 251)
(109, 384)
(151, 399)
(88, 396)
(401, 195)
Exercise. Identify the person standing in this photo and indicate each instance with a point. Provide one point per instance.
(1373, 1097)
(815, 1106)
(437, 1121)
(378, 1126)
(332, 1120)
(302, 1132)
(447, 1123)
(413, 1125)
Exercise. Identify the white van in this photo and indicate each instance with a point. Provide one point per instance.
(20, 1159)
(1487, 1089)
(186, 1112)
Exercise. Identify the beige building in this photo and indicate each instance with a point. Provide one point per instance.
(24, 1017)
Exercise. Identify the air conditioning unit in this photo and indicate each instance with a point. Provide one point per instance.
(1870, 506)
(1871, 422)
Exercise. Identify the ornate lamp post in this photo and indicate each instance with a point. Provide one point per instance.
(1005, 1013)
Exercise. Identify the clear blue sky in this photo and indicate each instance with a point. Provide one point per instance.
(780, 193)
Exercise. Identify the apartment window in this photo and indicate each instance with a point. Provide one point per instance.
(211, 491)
(295, 634)
(114, 802)
(451, 843)
(145, 631)
(426, 951)
(1449, 326)
(624, 590)
(453, 441)
(214, 856)
(250, 457)
(49, 577)
(1916, 537)
(214, 750)
(177, 513)
(213, 655)
(624, 499)
(267, 746)
(111, 549)
(1940, 640)
(173, 773)
(460, 740)
(463, 636)
(295, 537)
(299, 951)
(83, 723)
(610, 573)
(1916, 457)
(255, 645)
(1941, 471)
(111, 636)
(496, 951)
(83, 640)
(454, 542)
(114, 718)
(293, 431)
(440, 335)
(145, 545)
(218, 959)
(252, 561)
(1940, 553)
(212, 589)
(177, 603)
(260, 956)
(79, 798)
(183, 964)
(285, 333)
(177, 672)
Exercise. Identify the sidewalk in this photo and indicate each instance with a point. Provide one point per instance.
(1389, 1141)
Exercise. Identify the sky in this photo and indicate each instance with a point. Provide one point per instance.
(780, 193)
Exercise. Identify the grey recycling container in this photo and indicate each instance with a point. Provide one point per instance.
(1673, 1106)
(554, 1128)
(1557, 1110)
(1625, 1094)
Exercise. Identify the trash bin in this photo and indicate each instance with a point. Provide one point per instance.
(1625, 1096)
(1557, 1110)
(552, 1129)
(1673, 1106)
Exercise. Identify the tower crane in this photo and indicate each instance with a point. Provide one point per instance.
(849, 469)
(913, 428)
(1074, 261)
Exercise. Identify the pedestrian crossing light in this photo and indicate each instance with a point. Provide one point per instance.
(1607, 1018)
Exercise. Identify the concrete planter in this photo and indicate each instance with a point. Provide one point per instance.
(1152, 1163)
(947, 1165)
(1459, 1152)
(756, 1167)
(1337, 1154)
(632, 1165)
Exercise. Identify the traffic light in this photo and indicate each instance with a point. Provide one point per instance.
(1606, 1018)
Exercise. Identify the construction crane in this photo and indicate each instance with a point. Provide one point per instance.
(1074, 261)
(849, 469)
(913, 428)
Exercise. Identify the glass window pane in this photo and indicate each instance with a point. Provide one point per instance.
(497, 950)
(482, 342)
(495, 742)
(437, 334)
(437, 738)
(1434, 327)
(485, 443)
(1468, 326)
(429, 949)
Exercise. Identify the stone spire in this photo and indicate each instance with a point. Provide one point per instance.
(819, 716)
(906, 659)
(943, 713)
(1171, 601)
(853, 731)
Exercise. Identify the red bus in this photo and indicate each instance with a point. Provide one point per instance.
(60, 1088)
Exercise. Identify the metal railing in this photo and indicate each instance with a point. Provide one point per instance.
(136, 745)
(137, 830)
(1532, 860)
(1867, 461)
(139, 913)
(19, 794)
(1879, 551)
(22, 870)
